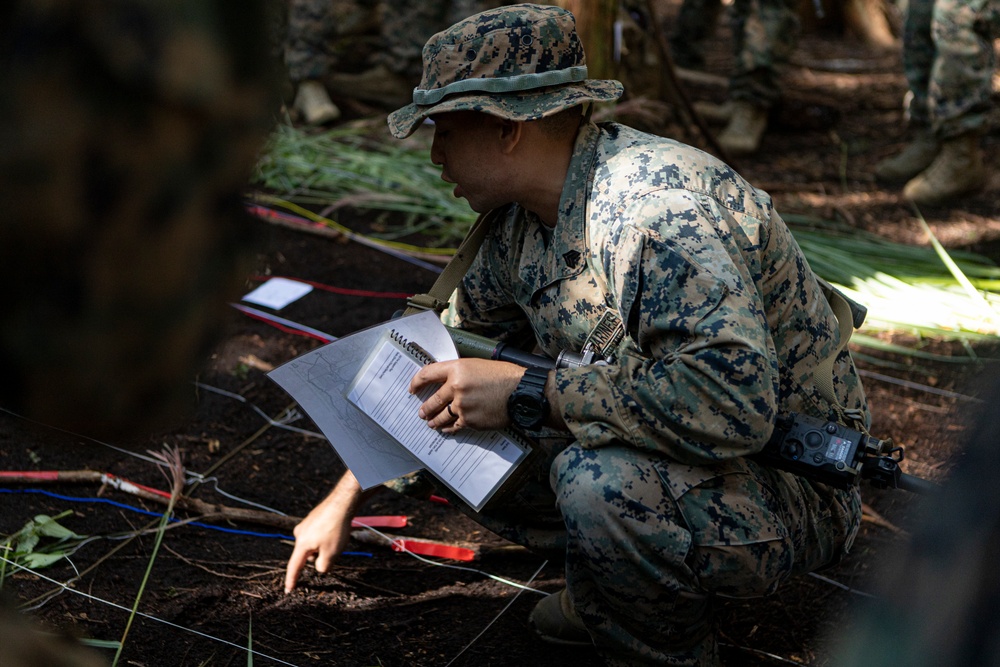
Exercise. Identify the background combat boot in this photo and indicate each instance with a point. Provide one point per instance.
(314, 105)
(745, 129)
(917, 156)
(957, 170)
(714, 113)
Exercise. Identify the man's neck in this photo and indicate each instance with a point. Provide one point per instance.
(544, 183)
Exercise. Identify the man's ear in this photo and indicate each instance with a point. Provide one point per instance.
(511, 132)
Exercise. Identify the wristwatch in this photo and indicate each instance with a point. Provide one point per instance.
(527, 406)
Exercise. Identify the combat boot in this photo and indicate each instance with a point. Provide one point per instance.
(314, 105)
(746, 127)
(916, 157)
(554, 620)
(957, 170)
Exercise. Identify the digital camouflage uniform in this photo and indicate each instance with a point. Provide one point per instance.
(308, 39)
(948, 59)
(650, 497)
(725, 326)
(764, 34)
(324, 35)
(408, 24)
(130, 129)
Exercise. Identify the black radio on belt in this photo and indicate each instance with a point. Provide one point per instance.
(834, 454)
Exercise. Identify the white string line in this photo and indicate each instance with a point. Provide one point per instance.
(215, 484)
(144, 615)
(48, 597)
(841, 586)
(268, 317)
(497, 617)
(292, 415)
(200, 477)
(916, 385)
(520, 589)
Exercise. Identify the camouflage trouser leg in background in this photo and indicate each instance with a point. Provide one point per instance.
(408, 24)
(310, 27)
(765, 32)
(651, 543)
(948, 60)
(695, 22)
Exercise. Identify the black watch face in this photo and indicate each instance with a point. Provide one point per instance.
(527, 411)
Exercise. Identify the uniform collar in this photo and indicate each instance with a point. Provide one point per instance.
(548, 258)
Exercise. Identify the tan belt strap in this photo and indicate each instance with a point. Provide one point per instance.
(436, 298)
(847, 319)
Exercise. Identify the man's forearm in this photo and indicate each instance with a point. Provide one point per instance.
(347, 493)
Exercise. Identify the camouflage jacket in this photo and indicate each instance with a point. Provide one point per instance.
(723, 317)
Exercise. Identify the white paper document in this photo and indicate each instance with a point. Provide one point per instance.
(384, 438)
(473, 464)
(318, 381)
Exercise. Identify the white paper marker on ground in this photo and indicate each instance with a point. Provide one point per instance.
(277, 293)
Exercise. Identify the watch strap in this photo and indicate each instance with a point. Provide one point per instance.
(534, 377)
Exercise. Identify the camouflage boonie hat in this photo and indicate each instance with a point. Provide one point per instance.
(521, 62)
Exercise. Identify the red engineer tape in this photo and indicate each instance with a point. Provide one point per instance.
(386, 521)
(433, 549)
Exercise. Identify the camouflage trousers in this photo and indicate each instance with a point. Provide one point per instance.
(322, 35)
(948, 60)
(412, 22)
(651, 545)
(765, 32)
(318, 37)
(310, 28)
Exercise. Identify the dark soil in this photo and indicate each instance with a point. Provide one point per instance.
(212, 594)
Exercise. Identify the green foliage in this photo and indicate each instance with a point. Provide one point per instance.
(921, 290)
(41, 542)
(346, 167)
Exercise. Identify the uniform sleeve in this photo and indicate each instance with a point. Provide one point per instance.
(701, 381)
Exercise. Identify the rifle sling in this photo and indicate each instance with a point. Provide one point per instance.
(436, 298)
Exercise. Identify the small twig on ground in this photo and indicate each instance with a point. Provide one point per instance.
(248, 577)
(871, 516)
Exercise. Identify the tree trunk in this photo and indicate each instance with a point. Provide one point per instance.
(595, 20)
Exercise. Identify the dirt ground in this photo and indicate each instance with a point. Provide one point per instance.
(213, 594)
